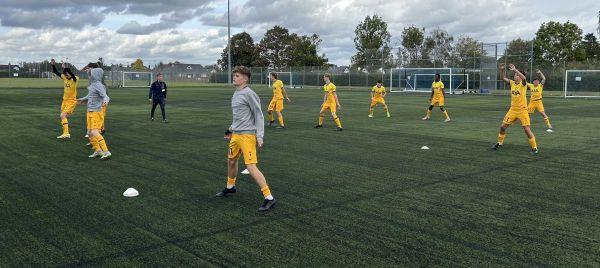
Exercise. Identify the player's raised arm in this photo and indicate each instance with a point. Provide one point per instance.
(542, 76)
(503, 74)
(54, 70)
(521, 75)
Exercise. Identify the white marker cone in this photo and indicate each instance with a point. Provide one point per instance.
(130, 192)
(424, 148)
(245, 171)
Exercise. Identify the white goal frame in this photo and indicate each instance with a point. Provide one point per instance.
(411, 79)
(566, 83)
(450, 87)
(291, 75)
(123, 77)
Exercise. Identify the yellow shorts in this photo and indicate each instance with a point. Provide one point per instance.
(535, 105)
(68, 106)
(243, 144)
(439, 100)
(276, 105)
(332, 107)
(375, 101)
(95, 120)
(512, 116)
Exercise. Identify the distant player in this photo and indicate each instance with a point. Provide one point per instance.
(518, 108)
(246, 131)
(276, 103)
(96, 99)
(69, 101)
(158, 96)
(377, 96)
(535, 102)
(330, 103)
(438, 96)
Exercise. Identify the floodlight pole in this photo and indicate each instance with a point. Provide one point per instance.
(228, 46)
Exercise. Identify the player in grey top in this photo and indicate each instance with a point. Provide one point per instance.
(95, 99)
(245, 133)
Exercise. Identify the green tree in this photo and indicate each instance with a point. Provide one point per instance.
(467, 51)
(243, 52)
(518, 52)
(442, 47)
(138, 65)
(305, 51)
(372, 42)
(276, 47)
(556, 42)
(591, 46)
(416, 49)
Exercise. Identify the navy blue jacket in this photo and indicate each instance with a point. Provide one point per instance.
(158, 90)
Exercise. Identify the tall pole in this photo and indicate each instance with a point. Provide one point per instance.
(228, 46)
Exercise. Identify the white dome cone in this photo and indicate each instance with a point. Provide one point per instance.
(131, 192)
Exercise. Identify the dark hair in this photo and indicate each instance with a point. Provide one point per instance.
(437, 74)
(242, 70)
(274, 74)
(378, 81)
(68, 71)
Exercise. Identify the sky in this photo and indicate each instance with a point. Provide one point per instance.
(195, 31)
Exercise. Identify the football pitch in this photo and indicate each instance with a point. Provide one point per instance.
(364, 197)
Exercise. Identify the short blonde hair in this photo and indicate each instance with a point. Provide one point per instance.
(328, 75)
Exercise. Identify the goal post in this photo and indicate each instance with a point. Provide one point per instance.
(414, 79)
(582, 84)
(136, 79)
(289, 79)
(454, 83)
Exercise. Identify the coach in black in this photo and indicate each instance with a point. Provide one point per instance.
(158, 95)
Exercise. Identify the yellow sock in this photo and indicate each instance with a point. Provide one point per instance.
(230, 182)
(338, 122)
(94, 142)
(271, 117)
(446, 114)
(102, 143)
(428, 113)
(501, 138)
(65, 125)
(280, 118)
(321, 118)
(266, 192)
(547, 121)
(533, 143)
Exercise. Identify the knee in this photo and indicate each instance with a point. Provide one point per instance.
(232, 162)
(63, 115)
(252, 168)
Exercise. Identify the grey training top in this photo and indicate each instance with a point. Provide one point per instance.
(247, 115)
(96, 91)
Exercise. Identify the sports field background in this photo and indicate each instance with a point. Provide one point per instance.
(364, 197)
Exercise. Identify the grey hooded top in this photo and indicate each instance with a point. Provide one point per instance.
(96, 91)
(247, 115)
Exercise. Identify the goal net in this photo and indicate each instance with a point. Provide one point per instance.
(136, 79)
(582, 84)
(289, 79)
(420, 79)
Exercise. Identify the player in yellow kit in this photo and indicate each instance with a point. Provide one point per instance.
(330, 103)
(276, 103)
(518, 108)
(377, 96)
(69, 97)
(535, 102)
(438, 96)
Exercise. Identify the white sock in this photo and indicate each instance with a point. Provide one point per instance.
(270, 197)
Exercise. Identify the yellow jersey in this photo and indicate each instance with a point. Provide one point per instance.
(536, 92)
(278, 90)
(518, 96)
(438, 88)
(329, 89)
(379, 91)
(70, 92)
